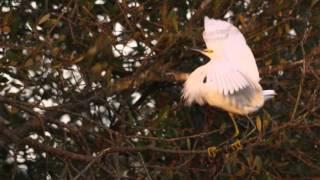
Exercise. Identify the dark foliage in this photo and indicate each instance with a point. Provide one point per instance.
(91, 90)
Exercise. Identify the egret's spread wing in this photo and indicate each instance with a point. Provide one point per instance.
(242, 57)
(216, 31)
(220, 83)
(227, 79)
(226, 40)
(230, 89)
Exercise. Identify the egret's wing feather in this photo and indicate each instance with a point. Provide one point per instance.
(231, 89)
(195, 85)
(233, 83)
(226, 78)
(243, 58)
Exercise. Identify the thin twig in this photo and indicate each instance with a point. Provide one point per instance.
(303, 74)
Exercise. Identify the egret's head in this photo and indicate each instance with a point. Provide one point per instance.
(207, 52)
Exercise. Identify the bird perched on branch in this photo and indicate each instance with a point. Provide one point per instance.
(230, 80)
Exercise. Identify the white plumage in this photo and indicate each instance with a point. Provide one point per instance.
(230, 80)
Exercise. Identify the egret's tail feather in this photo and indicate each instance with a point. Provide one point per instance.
(268, 94)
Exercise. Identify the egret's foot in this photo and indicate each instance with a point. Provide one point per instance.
(236, 146)
(212, 151)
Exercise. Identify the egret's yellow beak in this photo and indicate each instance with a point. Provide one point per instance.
(206, 52)
(197, 50)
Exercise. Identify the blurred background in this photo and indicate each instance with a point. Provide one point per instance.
(92, 90)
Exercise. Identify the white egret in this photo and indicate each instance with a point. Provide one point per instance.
(230, 80)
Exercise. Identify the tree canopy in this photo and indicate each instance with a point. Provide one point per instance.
(92, 90)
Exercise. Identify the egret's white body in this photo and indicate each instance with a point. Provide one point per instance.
(230, 80)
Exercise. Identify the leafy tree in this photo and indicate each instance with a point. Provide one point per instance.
(91, 90)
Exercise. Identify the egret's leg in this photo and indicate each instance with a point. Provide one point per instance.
(236, 129)
(254, 126)
(236, 146)
(212, 151)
